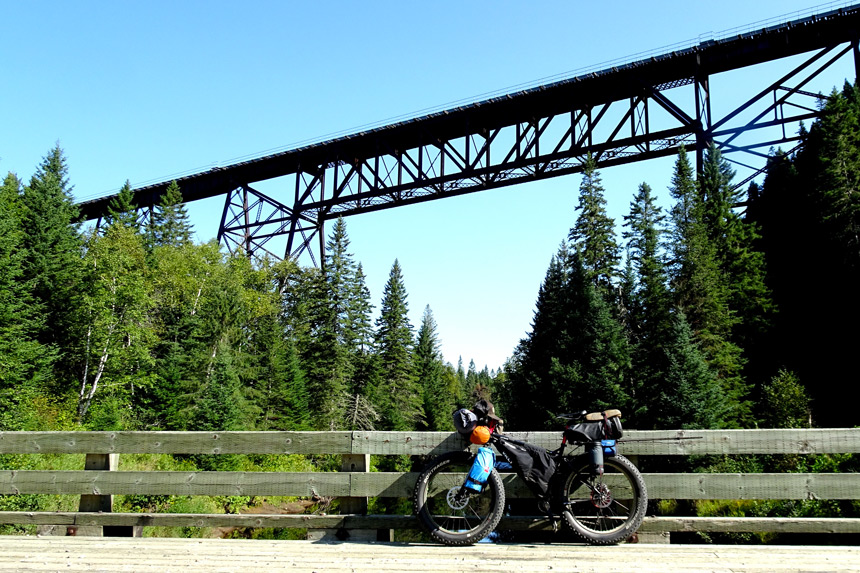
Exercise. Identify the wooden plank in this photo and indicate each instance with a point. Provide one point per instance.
(97, 503)
(175, 483)
(209, 520)
(158, 555)
(753, 486)
(662, 442)
(719, 442)
(823, 525)
(385, 484)
(753, 524)
(176, 442)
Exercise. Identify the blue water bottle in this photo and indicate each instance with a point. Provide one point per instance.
(481, 468)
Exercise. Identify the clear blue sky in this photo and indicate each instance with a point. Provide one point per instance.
(147, 91)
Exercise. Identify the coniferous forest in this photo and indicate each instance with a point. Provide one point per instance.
(731, 309)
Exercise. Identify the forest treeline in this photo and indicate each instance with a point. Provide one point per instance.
(134, 326)
(707, 315)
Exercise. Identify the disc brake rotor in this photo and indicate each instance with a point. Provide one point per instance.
(455, 500)
(601, 496)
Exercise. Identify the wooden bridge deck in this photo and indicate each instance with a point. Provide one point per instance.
(209, 555)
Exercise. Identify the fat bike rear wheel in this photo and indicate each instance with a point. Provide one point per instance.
(445, 512)
(604, 509)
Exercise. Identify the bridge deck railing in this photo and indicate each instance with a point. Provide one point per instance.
(99, 481)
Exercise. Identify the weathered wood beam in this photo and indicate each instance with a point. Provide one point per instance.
(384, 484)
(661, 442)
(517, 523)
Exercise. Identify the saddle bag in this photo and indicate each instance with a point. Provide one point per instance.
(597, 426)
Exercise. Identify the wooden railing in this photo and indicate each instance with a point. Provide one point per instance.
(356, 483)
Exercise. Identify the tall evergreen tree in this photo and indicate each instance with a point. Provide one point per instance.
(169, 224)
(593, 234)
(808, 214)
(24, 362)
(649, 313)
(54, 248)
(286, 399)
(700, 286)
(219, 407)
(575, 357)
(741, 264)
(438, 402)
(334, 351)
(690, 397)
(122, 210)
(398, 396)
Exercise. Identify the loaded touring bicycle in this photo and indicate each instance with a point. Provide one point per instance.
(595, 491)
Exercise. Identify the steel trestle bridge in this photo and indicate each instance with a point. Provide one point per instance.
(640, 110)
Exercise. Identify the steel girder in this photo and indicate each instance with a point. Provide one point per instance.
(639, 110)
(657, 121)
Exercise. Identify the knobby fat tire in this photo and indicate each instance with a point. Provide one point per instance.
(581, 466)
(429, 522)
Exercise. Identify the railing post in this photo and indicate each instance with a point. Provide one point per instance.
(101, 504)
(352, 463)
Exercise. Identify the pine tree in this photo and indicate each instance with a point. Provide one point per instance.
(808, 215)
(286, 405)
(170, 224)
(700, 287)
(53, 263)
(690, 397)
(122, 210)
(336, 345)
(740, 261)
(399, 396)
(575, 357)
(649, 316)
(593, 234)
(24, 362)
(340, 271)
(219, 407)
(438, 403)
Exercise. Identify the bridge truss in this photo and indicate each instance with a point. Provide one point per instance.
(641, 110)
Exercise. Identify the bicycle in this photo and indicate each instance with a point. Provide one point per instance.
(597, 493)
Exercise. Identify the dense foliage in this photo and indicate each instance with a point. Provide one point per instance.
(682, 320)
(714, 306)
(704, 316)
(133, 326)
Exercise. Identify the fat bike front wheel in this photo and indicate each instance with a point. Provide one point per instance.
(448, 514)
(604, 509)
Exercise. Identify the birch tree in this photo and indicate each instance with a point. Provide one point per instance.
(114, 315)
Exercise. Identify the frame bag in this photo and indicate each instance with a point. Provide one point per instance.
(533, 464)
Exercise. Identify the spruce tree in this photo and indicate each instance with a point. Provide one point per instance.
(398, 396)
(593, 234)
(122, 210)
(576, 355)
(701, 290)
(24, 362)
(691, 396)
(53, 263)
(170, 224)
(438, 403)
(808, 215)
(286, 404)
(738, 256)
(219, 407)
(649, 309)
